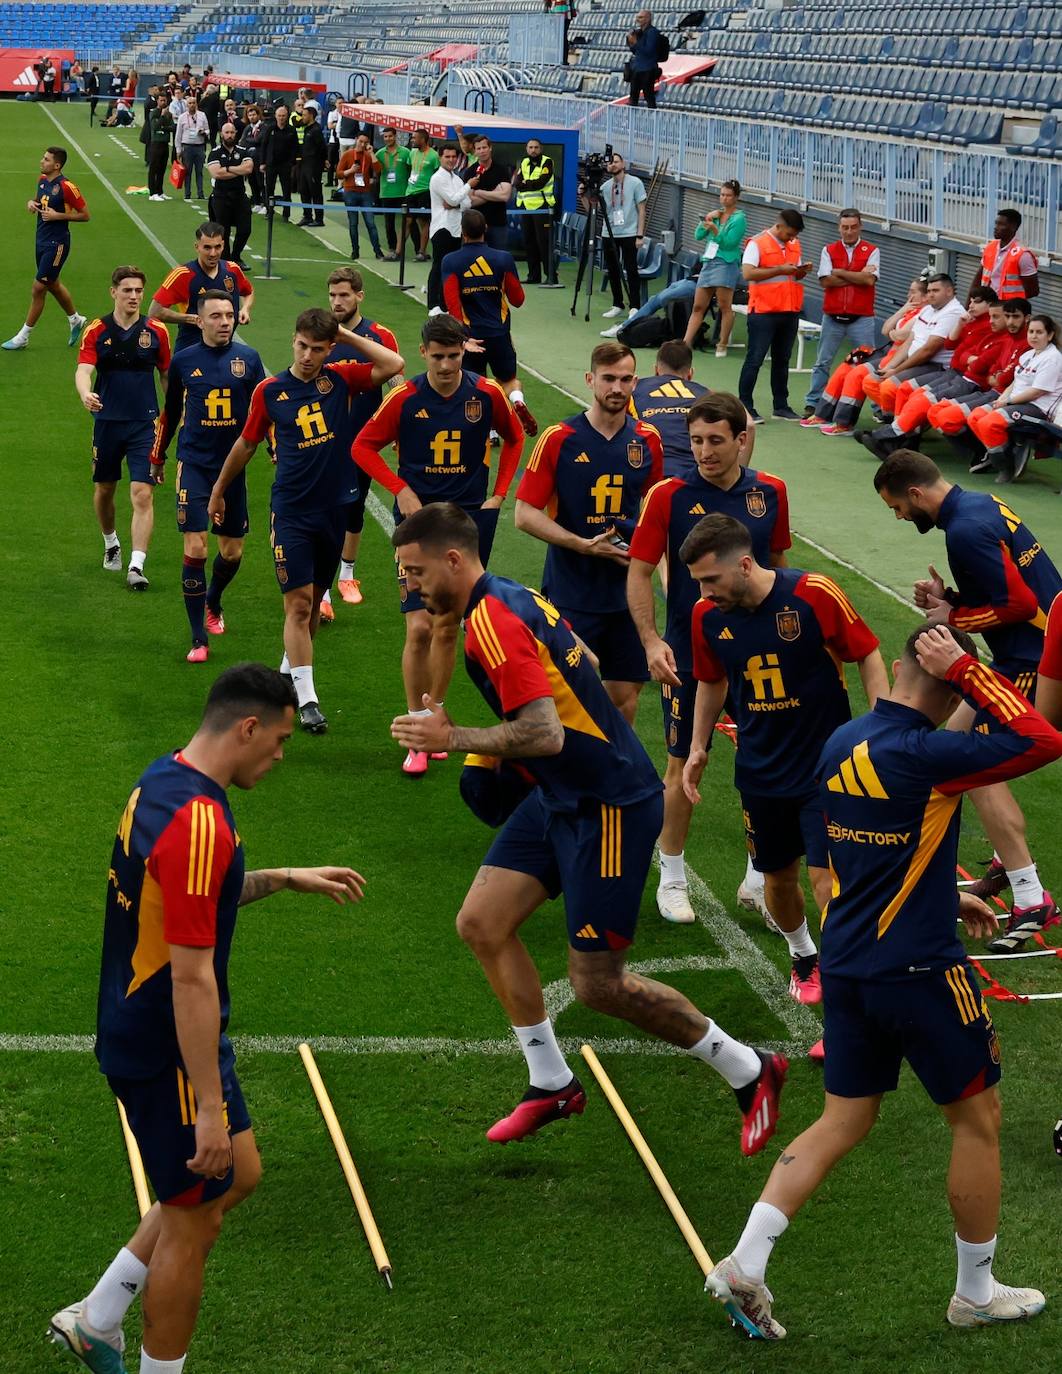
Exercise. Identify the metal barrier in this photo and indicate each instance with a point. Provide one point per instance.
(953, 192)
(536, 39)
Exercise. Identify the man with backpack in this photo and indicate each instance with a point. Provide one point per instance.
(649, 50)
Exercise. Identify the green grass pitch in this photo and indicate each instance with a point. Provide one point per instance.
(554, 1255)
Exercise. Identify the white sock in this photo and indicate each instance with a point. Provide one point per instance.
(421, 711)
(110, 1300)
(546, 1066)
(765, 1224)
(346, 570)
(1025, 887)
(150, 1366)
(799, 941)
(24, 333)
(753, 876)
(302, 678)
(974, 1281)
(897, 429)
(327, 596)
(285, 666)
(73, 319)
(672, 868)
(138, 559)
(515, 395)
(111, 541)
(739, 1064)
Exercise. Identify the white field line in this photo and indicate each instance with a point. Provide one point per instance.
(125, 148)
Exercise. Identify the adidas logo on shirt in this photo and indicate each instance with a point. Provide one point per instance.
(587, 933)
(698, 509)
(480, 268)
(283, 396)
(422, 415)
(676, 389)
(857, 776)
(726, 634)
(197, 372)
(582, 458)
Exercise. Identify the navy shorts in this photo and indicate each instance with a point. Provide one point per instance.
(781, 829)
(613, 638)
(599, 857)
(677, 705)
(498, 354)
(307, 548)
(486, 523)
(115, 440)
(938, 1022)
(162, 1113)
(51, 259)
(194, 485)
(356, 509)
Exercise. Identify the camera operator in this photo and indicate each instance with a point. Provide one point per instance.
(622, 197)
(644, 41)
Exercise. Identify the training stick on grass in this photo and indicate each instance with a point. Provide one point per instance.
(346, 1163)
(136, 1164)
(671, 1202)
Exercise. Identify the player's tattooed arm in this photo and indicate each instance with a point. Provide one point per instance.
(536, 732)
(262, 882)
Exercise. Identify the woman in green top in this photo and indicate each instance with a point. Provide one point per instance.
(725, 230)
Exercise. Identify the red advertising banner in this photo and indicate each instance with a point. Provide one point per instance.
(16, 67)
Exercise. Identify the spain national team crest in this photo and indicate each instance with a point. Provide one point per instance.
(282, 575)
(230, 283)
(238, 367)
(635, 454)
(474, 410)
(788, 623)
(756, 504)
(324, 385)
(144, 341)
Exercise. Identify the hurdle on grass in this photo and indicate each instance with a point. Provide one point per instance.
(136, 1164)
(346, 1163)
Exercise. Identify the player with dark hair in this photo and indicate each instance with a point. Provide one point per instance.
(207, 402)
(176, 299)
(1005, 584)
(580, 494)
(175, 882)
(440, 424)
(57, 204)
(124, 350)
(719, 431)
(306, 409)
(772, 641)
(896, 979)
(587, 830)
(480, 284)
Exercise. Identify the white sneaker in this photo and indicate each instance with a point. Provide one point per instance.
(1007, 1305)
(611, 333)
(748, 1304)
(673, 903)
(754, 899)
(97, 1350)
(611, 313)
(720, 352)
(16, 341)
(158, 197)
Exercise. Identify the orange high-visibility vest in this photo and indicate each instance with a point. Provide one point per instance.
(773, 297)
(1010, 283)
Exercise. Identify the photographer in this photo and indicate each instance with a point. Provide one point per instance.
(647, 52)
(622, 197)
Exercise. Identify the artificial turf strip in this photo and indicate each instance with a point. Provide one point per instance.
(553, 1255)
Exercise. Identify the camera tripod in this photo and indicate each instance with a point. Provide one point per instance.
(596, 217)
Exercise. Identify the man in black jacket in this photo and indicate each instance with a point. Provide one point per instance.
(311, 170)
(160, 126)
(280, 153)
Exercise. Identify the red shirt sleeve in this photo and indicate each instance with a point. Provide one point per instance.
(1051, 662)
(538, 484)
(256, 426)
(655, 444)
(174, 289)
(87, 352)
(452, 296)
(706, 667)
(72, 197)
(511, 431)
(844, 631)
(357, 376)
(649, 540)
(243, 285)
(513, 290)
(386, 337)
(189, 863)
(380, 432)
(165, 352)
(781, 539)
(505, 649)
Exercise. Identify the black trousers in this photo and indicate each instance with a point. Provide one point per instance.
(158, 161)
(285, 171)
(442, 243)
(627, 251)
(644, 83)
(311, 191)
(536, 230)
(775, 333)
(235, 218)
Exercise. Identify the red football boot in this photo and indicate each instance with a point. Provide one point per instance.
(538, 1108)
(760, 1117)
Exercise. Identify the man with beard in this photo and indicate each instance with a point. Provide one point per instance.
(229, 166)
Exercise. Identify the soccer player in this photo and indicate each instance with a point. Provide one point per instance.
(1005, 584)
(480, 284)
(440, 424)
(719, 431)
(175, 882)
(586, 831)
(207, 402)
(580, 493)
(896, 978)
(774, 640)
(346, 295)
(57, 204)
(176, 299)
(124, 350)
(306, 408)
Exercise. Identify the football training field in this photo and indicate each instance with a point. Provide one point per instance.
(551, 1255)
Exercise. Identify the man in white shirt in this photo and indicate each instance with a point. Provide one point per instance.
(933, 333)
(623, 199)
(191, 141)
(848, 273)
(449, 196)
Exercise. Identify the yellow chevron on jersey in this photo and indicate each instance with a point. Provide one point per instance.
(480, 268)
(857, 776)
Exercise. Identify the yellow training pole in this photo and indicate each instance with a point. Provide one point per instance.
(136, 1164)
(346, 1163)
(671, 1202)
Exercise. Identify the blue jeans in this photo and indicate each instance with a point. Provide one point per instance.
(677, 291)
(193, 155)
(861, 333)
(355, 200)
(773, 332)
